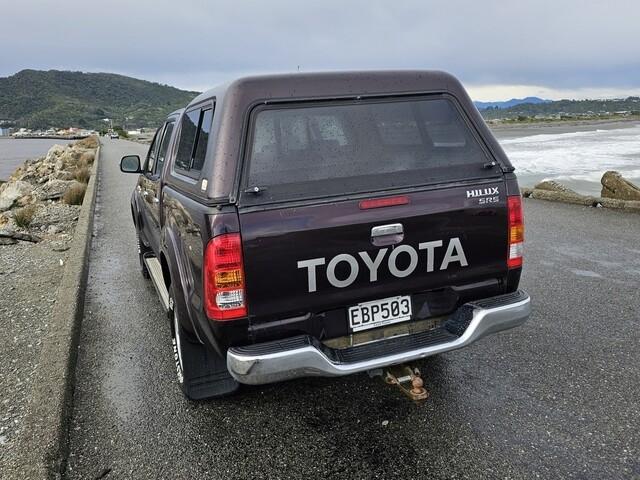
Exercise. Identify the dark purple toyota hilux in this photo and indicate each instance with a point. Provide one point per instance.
(325, 224)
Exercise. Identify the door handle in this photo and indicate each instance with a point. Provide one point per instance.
(391, 229)
(387, 234)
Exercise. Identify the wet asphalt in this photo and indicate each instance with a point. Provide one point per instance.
(556, 398)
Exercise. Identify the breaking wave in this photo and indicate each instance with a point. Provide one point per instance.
(576, 156)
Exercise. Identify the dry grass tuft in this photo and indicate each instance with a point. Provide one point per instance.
(82, 175)
(87, 159)
(74, 194)
(23, 216)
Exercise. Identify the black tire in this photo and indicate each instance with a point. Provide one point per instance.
(201, 372)
(142, 251)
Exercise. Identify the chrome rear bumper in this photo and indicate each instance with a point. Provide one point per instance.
(303, 356)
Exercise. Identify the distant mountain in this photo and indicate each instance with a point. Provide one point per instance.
(509, 103)
(39, 99)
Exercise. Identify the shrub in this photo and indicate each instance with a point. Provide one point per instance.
(23, 216)
(122, 133)
(74, 194)
(82, 175)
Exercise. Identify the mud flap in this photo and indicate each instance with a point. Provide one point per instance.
(205, 373)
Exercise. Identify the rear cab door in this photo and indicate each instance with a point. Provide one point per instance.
(146, 189)
(150, 182)
(386, 207)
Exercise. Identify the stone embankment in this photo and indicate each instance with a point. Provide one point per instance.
(617, 192)
(43, 196)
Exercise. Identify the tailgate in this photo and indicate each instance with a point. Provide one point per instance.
(310, 259)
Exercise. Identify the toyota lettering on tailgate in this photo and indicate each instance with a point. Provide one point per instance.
(453, 254)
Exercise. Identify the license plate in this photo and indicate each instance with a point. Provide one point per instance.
(379, 313)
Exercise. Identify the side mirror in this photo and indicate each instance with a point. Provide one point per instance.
(130, 164)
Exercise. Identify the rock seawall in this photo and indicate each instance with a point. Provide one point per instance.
(43, 196)
(617, 192)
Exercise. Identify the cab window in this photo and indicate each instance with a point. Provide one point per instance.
(195, 129)
(153, 151)
(164, 146)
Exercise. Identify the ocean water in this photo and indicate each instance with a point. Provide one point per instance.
(577, 159)
(15, 151)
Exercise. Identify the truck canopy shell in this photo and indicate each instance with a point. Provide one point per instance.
(234, 101)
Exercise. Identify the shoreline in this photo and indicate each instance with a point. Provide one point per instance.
(508, 131)
(14, 153)
(46, 137)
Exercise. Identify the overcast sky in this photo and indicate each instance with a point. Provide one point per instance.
(499, 49)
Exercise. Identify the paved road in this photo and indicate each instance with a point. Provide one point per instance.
(557, 398)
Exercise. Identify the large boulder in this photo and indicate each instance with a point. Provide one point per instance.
(54, 189)
(554, 191)
(553, 186)
(53, 153)
(11, 192)
(615, 186)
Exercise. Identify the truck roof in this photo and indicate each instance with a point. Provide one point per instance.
(323, 84)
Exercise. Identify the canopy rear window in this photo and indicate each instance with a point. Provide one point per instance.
(306, 151)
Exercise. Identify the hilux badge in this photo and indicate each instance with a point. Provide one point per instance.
(482, 192)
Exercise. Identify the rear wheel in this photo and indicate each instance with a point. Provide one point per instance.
(202, 373)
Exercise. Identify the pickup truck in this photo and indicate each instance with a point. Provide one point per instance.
(325, 224)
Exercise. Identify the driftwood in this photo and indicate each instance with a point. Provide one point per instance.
(26, 237)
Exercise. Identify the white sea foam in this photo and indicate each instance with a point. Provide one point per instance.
(577, 156)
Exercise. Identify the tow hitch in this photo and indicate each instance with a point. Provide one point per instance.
(408, 380)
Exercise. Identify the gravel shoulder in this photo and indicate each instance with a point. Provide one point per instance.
(29, 278)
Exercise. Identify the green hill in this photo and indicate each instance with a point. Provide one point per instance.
(38, 99)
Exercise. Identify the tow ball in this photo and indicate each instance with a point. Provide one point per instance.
(408, 380)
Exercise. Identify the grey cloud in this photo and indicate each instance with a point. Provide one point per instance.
(560, 44)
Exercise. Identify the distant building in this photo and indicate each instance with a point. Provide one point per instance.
(5, 132)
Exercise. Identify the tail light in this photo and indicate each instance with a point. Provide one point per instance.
(224, 286)
(516, 231)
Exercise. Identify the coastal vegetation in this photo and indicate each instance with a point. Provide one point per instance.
(42, 99)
